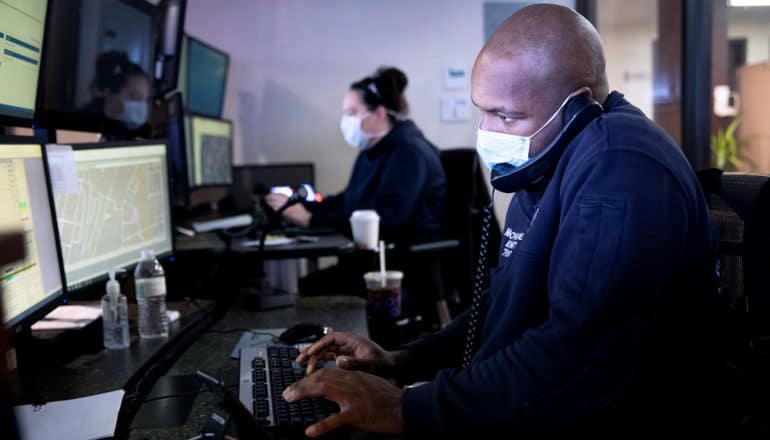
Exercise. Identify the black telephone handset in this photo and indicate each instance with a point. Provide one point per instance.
(246, 424)
(578, 113)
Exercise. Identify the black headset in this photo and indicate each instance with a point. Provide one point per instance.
(579, 111)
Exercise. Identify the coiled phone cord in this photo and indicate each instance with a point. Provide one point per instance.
(480, 289)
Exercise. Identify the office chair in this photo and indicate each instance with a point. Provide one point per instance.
(446, 267)
(740, 206)
(467, 195)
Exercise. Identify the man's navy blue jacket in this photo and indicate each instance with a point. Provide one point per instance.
(402, 179)
(596, 307)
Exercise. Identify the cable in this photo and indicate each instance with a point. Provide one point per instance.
(480, 288)
(189, 393)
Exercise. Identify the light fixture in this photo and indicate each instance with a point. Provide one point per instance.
(744, 3)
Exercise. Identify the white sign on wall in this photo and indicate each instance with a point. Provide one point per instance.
(456, 78)
(455, 109)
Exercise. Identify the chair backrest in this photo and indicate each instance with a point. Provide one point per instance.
(740, 205)
(467, 195)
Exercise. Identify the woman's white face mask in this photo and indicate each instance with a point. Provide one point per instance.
(354, 135)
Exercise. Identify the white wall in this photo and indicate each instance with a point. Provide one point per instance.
(628, 50)
(292, 61)
(757, 35)
(628, 29)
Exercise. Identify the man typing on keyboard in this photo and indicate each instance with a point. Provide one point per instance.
(594, 321)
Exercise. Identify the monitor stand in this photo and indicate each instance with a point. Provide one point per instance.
(258, 293)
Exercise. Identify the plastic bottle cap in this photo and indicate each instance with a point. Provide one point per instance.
(147, 254)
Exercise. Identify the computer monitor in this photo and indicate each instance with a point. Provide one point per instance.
(22, 29)
(169, 124)
(169, 32)
(33, 286)
(119, 207)
(206, 70)
(209, 151)
(97, 68)
(249, 180)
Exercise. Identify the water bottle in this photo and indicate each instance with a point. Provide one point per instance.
(150, 283)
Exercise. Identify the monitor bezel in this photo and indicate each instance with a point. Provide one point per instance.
(83, 287)
(13, 121)
(42, 308)
(187, 74)
(192, 115)
(69, 120)
(158, 88)
(310, 165)
(182, 114)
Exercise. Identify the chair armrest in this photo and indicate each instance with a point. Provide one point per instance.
(434, 246)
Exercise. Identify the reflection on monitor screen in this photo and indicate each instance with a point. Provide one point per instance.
(21, 40)
(25, 206)
(209, 152)
(206, 78)
(98, 65)
(120, 206)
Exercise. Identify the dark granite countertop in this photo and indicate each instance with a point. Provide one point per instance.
(66, 365)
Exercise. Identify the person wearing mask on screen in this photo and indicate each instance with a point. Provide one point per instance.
(597, 320)
(397, 173)
(120, 91)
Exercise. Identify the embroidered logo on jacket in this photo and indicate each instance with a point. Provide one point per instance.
(513, 240)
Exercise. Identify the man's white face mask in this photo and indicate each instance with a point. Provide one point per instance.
(496, 148)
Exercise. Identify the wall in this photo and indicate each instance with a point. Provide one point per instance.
(630, 62)
(757, 34)
(628, 29)
(292, 61)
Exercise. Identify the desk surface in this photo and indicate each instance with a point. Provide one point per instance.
(211, 352)
(332, 244)
(94, 369)
(207, 241)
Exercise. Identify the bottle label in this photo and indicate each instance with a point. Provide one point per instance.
(150, 287)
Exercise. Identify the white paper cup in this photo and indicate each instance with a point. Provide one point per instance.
(365, 224)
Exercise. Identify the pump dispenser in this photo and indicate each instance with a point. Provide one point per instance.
(115, 315)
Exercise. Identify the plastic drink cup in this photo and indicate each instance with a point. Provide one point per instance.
(365, 224)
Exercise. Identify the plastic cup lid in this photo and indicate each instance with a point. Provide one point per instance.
(364, 213)
(389, 274)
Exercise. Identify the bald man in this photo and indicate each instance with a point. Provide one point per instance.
(596, 313)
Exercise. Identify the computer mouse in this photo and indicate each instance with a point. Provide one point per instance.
(303, 332)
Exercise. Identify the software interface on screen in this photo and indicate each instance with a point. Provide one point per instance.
(209, 152)
(120, 206)
(25, 207)
(206, 72)
(21, 39)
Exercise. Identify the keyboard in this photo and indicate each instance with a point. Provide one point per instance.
(236, 221)
(265, 371)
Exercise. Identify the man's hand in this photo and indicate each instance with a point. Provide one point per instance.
(366, 402)
(352, 352)
(296, 214)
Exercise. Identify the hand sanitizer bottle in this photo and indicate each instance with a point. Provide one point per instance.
(115, 316)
